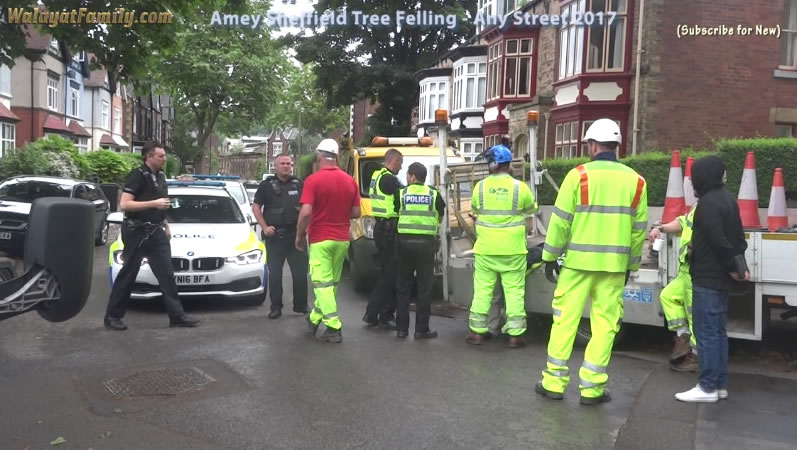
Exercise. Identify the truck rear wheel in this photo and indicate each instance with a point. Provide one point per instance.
(361, 281)
(584, 333)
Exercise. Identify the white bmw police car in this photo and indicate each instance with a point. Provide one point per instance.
(215, 251)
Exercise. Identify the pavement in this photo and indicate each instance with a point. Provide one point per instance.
(241, 381)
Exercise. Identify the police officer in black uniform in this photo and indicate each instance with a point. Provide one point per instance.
(145, 233)
(276, 208)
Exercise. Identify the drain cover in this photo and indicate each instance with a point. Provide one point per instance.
(159, 382)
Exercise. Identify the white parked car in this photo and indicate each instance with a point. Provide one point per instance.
(215, 251)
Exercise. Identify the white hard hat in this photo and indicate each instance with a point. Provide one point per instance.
(328, 145)
(603, 130)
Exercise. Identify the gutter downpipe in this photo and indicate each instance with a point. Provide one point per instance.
(636, 81)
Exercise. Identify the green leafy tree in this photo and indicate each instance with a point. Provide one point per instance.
(379, 62)
(301, 105)
(111, 167)
(129, 51)
(215, 71)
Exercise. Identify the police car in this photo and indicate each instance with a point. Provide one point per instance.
(234, 185)
(215, 251)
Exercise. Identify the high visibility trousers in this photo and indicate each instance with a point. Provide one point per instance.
(574, 286)
(676, 302)
(512, 269)
(326, 265)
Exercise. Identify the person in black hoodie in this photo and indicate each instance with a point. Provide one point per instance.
(718, 238)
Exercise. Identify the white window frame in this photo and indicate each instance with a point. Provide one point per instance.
(619, 23)
(8, 138)
(82, 143)
(74, 101)
(470, 149)
(789, 38)
(517, 56)
(276, 148)
(494, 72)
(52, 93)
(566, 140)
(117, 120)
(486, 8)
(5, 80)
(470, 70)
(106, 115)
(571, 42)
(784, 130)
(434, 96)
(271, 167)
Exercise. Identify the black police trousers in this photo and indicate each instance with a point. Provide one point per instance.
(415, 259)
(159, 256)
(382, 303)
(280, 247)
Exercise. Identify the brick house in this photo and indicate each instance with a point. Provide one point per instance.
(103, 109)
(147, 117)
(47, 92)
(689, 89)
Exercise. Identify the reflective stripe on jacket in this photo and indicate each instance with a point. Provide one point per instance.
(501, 204)
(382, 205)
(600, 218)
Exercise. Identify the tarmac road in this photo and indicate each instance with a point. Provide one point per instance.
(264, 383)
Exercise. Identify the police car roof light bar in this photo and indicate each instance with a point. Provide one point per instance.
(196, 183)
(215, 177)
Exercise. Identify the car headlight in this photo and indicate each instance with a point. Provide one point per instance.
(117, 258)
(368, 227)
(250, 257)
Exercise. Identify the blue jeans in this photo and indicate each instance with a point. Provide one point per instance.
(710, 317)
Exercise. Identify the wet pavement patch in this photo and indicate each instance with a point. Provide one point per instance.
(133, 389)
(152, 382)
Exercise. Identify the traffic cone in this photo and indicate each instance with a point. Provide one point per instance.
(748, 194)
(674, 203)
(689, 190)
(776, 216)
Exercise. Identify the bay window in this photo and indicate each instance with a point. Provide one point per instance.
(494, 71)
(433, 97)
(74, 101)
(52, 93)
(566, 142)
(470, 84)
(571, 41)
(606, 50)
(470, 150)
(517, 67)
(106, 115)
(82, 143)
(7, 138)
(117, 120)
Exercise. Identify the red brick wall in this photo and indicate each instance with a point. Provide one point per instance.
(711, 86)
(23, 132)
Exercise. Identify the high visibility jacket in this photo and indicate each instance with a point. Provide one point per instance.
(501, 204)
(599, 219)
(687, 222)
(418, 214)
(382, 205)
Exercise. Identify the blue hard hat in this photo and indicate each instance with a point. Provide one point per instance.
(499, 154)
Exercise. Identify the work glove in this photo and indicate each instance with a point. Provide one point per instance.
(552, 271)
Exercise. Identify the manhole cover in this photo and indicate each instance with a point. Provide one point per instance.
(158, 382)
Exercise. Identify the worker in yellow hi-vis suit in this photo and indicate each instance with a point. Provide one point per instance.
(599, 222)
(501, 204)
(676, 297)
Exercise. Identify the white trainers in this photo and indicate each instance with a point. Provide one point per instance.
(697, 395)
(722, 394)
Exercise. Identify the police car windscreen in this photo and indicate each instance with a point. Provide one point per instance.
(199, 209)
(238, 193)
(26, 191)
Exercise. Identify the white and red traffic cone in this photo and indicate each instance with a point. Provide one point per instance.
(776, 215)
(689, 190)
(674, 203)
(748, 194)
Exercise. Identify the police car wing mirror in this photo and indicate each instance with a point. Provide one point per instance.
(115, 217)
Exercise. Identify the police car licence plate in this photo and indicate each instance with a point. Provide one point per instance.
(191, 279)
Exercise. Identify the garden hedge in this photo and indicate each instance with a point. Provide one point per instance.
(769, 154)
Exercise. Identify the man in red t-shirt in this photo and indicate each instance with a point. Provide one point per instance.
(329, 199)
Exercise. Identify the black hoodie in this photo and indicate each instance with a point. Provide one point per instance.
(718, 234)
